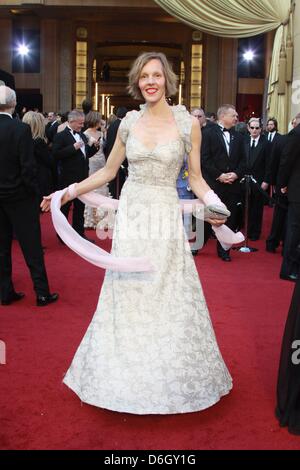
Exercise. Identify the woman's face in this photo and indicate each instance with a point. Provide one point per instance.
(152, 81)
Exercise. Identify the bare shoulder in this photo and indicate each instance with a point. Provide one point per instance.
(134, 112)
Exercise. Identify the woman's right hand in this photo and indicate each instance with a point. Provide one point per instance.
(46, 202)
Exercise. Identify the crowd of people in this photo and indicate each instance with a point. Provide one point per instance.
(46, 151)
(245, 148)
(250, 148)
(232, 151)
(53, 134)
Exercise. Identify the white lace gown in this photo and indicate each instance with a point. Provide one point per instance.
(93, 216)
(151, 348)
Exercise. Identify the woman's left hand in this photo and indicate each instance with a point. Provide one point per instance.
(216, 222)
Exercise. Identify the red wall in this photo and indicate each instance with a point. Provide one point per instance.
(249, 106)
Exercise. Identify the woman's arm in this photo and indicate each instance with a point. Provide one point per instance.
(97, 179)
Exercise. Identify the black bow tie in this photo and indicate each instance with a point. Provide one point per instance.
(75, 132)
(225, 130)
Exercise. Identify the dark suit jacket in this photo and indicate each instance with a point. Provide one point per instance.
(73, 165)
(259, 160)
(275, 138)
(110, 140)
(111, 137)
(289, 170)
(209, 125)
(45, 167)
(51, 130)
(278, 145)
(215, 160)
(17, 163)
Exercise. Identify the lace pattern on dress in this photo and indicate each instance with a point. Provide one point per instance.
(181, 116)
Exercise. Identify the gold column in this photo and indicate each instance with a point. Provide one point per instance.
(196, 76)
(81, 72)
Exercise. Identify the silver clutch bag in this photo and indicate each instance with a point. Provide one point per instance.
(214, 211)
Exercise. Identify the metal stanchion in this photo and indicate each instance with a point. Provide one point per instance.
(247, 180)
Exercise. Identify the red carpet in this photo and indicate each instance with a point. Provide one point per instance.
(248, 305)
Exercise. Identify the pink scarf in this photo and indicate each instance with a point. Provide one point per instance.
(102, 258)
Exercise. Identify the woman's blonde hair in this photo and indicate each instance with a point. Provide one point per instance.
(36, 122)
(136, 69)
(92, 119)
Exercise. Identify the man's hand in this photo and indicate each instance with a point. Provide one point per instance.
(223, 178)
(78, 145)
(227, 178)
(96, 144)
(231, 177)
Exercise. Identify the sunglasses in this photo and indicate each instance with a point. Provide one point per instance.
(254, 128)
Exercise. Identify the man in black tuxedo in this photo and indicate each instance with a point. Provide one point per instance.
(289, 178)
(71, 150)
(278, 228)
(116, 184)
(273, 137)
(19, 210)
(223, 164)
(205, 125)
(51, 126)
(272, 133)
(258, 158)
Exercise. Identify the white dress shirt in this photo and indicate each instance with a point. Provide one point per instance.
(271, 136)
(78, 139)
(226, 137)
(255, 141)
(7, 114)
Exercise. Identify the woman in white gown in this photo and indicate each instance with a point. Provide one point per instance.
(93, 122)
(151, 348)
